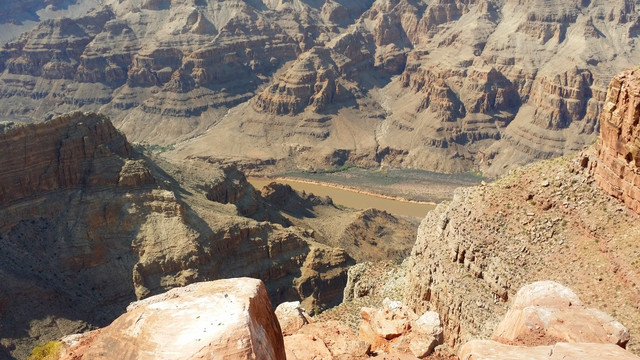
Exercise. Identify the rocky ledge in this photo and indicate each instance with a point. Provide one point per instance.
(473, 253)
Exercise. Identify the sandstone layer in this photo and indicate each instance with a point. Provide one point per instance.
(223, 319)
(439, 85)
(91, 224)
(618, 148)
(473, 253)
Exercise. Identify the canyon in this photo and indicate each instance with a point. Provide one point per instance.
(91, 223)
(477, 281)
(443, 85)
(107, 227)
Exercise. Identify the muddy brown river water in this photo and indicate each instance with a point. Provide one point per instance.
(353, 198)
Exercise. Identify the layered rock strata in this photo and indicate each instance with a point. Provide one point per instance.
(438, 85)
(91, 224)
(618, 148)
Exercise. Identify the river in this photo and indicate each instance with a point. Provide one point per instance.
(353, 198)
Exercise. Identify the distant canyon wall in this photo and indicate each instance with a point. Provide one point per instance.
(445, 85)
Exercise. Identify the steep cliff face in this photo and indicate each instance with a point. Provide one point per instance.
(71, 151)
(618, 148)
(547, 221)
(90, 225)
(439, 85)
(468, 94)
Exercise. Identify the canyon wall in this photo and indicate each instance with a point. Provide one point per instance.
(90, 224)
(547, 221)
(618, 148)
(439, 85)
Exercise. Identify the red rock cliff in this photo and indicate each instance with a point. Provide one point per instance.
(618, 148)
(67, 152)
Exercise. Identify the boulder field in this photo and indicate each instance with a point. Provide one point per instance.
(233, 319)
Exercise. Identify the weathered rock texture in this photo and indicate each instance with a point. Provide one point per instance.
(395, 328)
(433, 84)
(222, 319)
(618, 148)
(547, 221)
(548, 321)
(491, 350)
(89, 225)
(69, 152)
(545, 312)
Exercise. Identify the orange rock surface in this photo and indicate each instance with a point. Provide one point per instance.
(618, 148)
(223, 319)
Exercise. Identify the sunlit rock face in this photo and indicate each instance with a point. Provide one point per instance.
(439, 85)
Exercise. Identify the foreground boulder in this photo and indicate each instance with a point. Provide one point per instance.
(291, 317)
(397, 329)
(223, 319)
(548, 321)
(491, 350)
(546, 312)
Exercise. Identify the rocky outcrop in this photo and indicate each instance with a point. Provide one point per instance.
(291, 317)
(545, 312)
(618, 148)
(71, 151)
(548, 321)
(394, 328)
(91, 224)
(472, 254)
(230, 318)
(487, 349)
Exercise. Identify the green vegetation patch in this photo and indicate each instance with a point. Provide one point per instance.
(46, 351)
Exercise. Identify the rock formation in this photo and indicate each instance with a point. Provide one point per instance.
(230, 318)
(548, 321)
(545, 312)
(17, 17)
(618, 148)
(91, 224)
(467, 96)
(473, 253)
(440, 85)
(366, 235)
(486, 350)
(394, 328)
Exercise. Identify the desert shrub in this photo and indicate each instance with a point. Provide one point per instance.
(46, 351)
